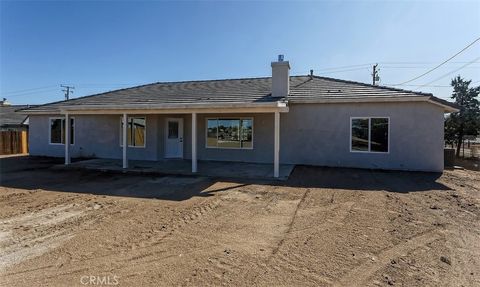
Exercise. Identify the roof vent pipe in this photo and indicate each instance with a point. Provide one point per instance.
(311, 74)
(280, 78)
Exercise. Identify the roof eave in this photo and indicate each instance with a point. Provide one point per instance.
(194, 107)
(447, 106)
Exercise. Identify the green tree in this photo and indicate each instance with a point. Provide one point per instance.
(467, 120)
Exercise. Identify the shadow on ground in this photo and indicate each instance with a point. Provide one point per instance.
(365, 179)
(33, 173)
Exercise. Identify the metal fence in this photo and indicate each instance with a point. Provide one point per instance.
(468, 149)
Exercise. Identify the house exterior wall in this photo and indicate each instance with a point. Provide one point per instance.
(311, 134)
(319, 134)
(95, 136)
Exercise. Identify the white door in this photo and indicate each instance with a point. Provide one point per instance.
(174, 138)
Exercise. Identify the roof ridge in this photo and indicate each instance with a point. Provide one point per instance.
(215, 80)
(303, 82)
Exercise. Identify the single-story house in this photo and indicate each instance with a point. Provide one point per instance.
(307, 119)
(13, 129)
(10, 120)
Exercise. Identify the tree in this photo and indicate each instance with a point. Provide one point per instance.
(467, 120)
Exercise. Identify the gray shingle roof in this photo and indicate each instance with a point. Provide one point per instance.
(247, 90)
(8, 116)
(322, 87)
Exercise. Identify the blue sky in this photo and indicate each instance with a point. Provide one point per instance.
(101, 46)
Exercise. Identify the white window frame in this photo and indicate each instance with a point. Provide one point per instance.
(228, 118)
(62, 130)
(369, 135)
(121, 131)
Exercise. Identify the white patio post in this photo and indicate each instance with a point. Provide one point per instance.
(194, 142)
(276, 155)
(67, 139)
(124, 141)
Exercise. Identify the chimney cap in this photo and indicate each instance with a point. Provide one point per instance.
(280, 58)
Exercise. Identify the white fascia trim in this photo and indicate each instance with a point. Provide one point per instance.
(174, 106)
(382, 99)
(446, 108)
(179, 109)
(170, 108)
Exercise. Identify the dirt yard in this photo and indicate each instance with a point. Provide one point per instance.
(324, 226)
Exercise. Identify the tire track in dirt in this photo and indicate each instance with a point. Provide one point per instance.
(252, 276)
(18, 243)
(296, 263)
(144, 255)
(292, 265)
(290, 225)
(363, 272)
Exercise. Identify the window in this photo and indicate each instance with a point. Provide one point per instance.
(172, 130)
(230, 133)
(379, 134)
(369, 135)
(360, 134)
(135, 131)
(57, 131)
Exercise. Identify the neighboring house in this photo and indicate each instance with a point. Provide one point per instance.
(13, 129)
(10, 120)
(308, 120)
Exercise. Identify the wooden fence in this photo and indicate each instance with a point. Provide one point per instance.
(13, 142)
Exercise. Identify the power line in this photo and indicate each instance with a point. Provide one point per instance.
(436, 67)
(449, 73)
(26, 90)
(29, 93)
(105, 84)
(419, 63)
(349, 70)
(341, 71)
(425, 64)
(433, 86)
(298, 72)
(345, 67)
(420, 67)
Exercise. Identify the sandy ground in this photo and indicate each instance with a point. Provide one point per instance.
(323, 227)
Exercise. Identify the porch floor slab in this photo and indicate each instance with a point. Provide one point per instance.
(221, 169)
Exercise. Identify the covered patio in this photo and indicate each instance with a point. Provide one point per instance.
(219, 169)
(230, 120)
(179, 166)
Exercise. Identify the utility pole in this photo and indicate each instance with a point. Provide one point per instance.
(375, 77)
(67, 90)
